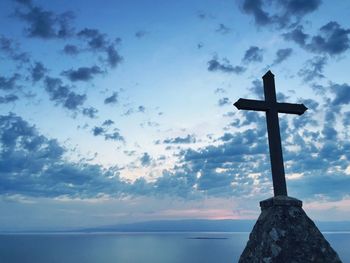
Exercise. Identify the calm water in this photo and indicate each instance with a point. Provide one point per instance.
(136, 247)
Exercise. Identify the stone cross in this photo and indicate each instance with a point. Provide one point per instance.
(272, 108)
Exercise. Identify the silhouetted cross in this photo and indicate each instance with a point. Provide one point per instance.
(272, 108)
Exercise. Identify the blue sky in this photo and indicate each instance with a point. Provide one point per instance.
(122, 111)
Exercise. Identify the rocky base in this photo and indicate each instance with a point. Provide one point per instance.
(285, 234)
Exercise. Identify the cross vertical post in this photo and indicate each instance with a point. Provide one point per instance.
(271, 107)
(274, 137)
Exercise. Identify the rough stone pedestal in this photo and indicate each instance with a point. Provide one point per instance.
(285, 234)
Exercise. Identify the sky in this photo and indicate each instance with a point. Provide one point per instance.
(121, 111)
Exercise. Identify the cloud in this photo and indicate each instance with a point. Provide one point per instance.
(141, 108)
(224, 101)
(313, 68)
(282, 55)
(46, 24)
(214, 65)
(141, 33)
(236, 164)
(279, 13)
(113, 57)
(98, 42)
(113, 99)
(113, 135)
(145, 159)
(253, 54)
(97, 131)
(257, 88)
(61, 94)
(12, 50)
(107, 123)
(82, 73)
(297, 35)
(181, 140)
(33, 165)
(222, 29)
(38, 71)
(332, 39)
(90, 112)
(255, 8)
(342, 94)
(71, 50)
(9, 84)
(8, 99)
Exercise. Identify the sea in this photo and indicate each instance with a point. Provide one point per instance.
(160, 247)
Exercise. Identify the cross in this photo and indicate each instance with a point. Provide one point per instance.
(272, 108)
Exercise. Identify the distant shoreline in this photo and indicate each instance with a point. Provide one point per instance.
(178, 226)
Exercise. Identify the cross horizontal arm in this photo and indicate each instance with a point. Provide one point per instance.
(291, 108)
(257, 105)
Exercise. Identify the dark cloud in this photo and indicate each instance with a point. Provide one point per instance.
(313, 68)
(99, 42)
(8, 99)
(342, 94)
(62, 94)
(224, 101)
(297, 35)
(113, 99)
(255, 8)
(253, 54)
(107, 123)
(282, 55)
(71, 50)
(141, 33)
(96, 40)
(145, 160)
(33, 165)
(224, 170)
(214, 65)
(141, 108)
(181, 140)
(222, 29)
(280, 13)
(90, 112)
(46, 24)
(9, 84)
(97, 131)
(38, 71)
(113, 57)
(82, 73)
(113, 135)
(257, 88)
(236, 165)
(332, 39)
(346, 118)
(12, 50)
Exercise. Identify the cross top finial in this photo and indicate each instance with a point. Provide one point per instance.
(269, 74)
(272, 108)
